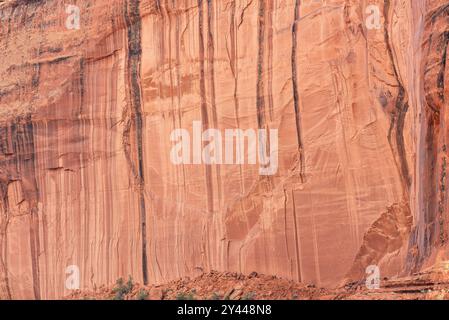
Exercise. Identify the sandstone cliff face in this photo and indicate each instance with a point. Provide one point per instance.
(86, 116)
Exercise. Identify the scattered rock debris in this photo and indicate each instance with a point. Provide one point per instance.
(433, 285)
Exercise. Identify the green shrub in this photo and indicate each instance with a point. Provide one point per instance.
(185, 296)
(142, 295)
(249, 296)
(121, 289)
(215, 296)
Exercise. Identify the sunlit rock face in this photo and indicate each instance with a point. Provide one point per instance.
(356, 90)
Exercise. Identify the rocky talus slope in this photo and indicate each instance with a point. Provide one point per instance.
(428, 285)
(87, 111)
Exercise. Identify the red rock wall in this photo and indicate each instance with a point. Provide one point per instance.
(86, 117)
(429, 239)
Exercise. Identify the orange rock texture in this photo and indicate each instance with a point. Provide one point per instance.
(87, 112)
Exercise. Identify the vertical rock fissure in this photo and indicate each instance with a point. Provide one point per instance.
(211, 58)
(30, 191)
(260, 102)
(296, 92)
(178, 86)
(441, 75)
(297, 242)
(81, 84)
(233, 32)
(17, 157)
(206, 124)
(260, 88)
(270, 58)
(134, 29)
(400, 112)
(430, 230)
(204, 112)
(4, 220)
(234, 60)
(398, 216)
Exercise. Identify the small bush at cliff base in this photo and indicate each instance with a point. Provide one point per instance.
(142, 295)
(121, 289)
(249, 296)
(185, 296)
(215, 296)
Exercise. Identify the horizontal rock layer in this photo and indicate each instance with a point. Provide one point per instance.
(86, 117)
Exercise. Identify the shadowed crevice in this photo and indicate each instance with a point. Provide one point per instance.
(135, 125)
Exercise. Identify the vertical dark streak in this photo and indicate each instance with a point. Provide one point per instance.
(81, 85)
(4, 221)
(204, 112)
(211, 57)
(400, 112)
(32, 196)
(270, 58)
(234, 60)
(296, 93)
(179, 86)
(233, 30)
(295, 225)
(17, 155)
(134, 28)
(430, 229)
(402, 108)
(441, 75)
(260, 103)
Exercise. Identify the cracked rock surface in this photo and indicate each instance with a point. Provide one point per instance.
(86, 116)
